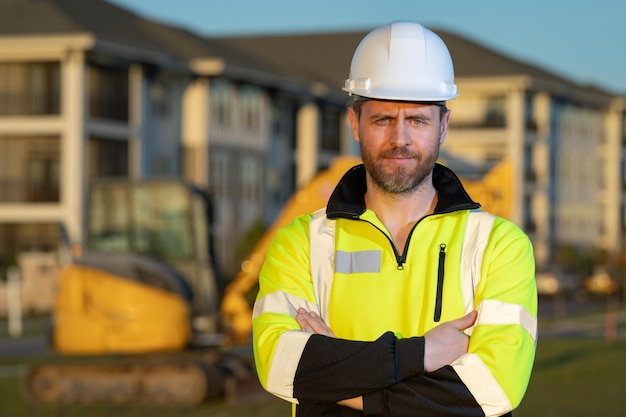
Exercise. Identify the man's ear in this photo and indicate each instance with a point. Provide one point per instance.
(445, 120)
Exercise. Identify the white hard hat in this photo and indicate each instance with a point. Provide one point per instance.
(402, 61)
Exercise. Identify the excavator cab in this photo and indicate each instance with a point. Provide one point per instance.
(146, 280)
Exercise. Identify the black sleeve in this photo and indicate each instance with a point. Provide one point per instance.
(331, 369)
(439, 393)
(326, 410)
(388, 373)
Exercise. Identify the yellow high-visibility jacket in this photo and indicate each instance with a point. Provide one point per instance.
(380, 300)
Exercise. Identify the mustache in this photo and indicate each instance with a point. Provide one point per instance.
(402, 152)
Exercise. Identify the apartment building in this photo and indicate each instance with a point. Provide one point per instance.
(82, 99)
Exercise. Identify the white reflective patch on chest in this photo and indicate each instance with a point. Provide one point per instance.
(355, 262)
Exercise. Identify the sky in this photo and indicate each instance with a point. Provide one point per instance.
(580, 40)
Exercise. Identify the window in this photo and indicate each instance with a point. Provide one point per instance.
(27, 237)
(529, 221)
(29, 169)
(221, 177)
(160, 94)
(221, 97)
(151, 218)
(43, 177)
(108, 92)
(330, 129)
(251, 179)
(107, 158)
(30, 89)
(529, 163)
(529, 113)
(250, 101)
(495, 112)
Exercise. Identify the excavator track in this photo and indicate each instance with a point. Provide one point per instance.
(181, 379)
(115, 382)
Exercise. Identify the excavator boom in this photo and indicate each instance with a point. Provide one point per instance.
(236, 305)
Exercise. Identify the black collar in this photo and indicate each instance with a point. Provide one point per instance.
(348, 198)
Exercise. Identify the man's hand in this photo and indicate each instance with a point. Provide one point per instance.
(310, 321)
(442, 345)
(447, 342)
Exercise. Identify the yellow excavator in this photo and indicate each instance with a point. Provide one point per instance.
(142, 313)
(142, 291)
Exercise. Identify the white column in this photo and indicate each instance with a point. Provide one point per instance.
(516, 130)
(73, 144)
(613, 181)
(307, 139)
(195, 134)
(541, 156)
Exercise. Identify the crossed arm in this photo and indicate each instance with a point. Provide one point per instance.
(443, 344)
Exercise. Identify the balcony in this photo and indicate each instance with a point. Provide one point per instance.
(21, 191)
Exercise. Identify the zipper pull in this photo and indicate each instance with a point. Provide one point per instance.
(440, 273)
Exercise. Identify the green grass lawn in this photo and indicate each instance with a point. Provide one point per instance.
(571, 378)
(576, 378)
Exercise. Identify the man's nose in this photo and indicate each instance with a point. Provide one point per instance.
(399, 135)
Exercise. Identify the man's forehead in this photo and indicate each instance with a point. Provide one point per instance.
(375, 106)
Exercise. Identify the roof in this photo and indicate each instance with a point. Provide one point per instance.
(313, 58)
(113, 25)
(46, 17)
(105, 21)
(320, 62)
(326, 57)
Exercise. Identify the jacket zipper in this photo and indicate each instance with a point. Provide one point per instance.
(440, 274)
(400, 259)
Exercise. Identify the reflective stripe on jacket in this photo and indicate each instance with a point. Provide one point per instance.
(379, 301)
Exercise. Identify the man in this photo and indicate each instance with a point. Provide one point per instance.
(401, 298)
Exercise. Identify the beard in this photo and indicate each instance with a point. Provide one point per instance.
(399, 180)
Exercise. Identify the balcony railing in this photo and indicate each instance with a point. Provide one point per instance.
(24, 192)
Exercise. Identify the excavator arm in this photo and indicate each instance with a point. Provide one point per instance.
(236, 305)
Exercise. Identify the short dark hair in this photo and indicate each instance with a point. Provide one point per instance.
(358, 102)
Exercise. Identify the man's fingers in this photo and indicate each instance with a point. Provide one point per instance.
(447, 342)
(311, 322)
(465, 321)
(301, 318)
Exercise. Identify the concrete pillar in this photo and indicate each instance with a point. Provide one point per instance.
(516, 132)
(613, 177)
(73, 144)
(541, 207)
(307, 143)
(195, 135)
